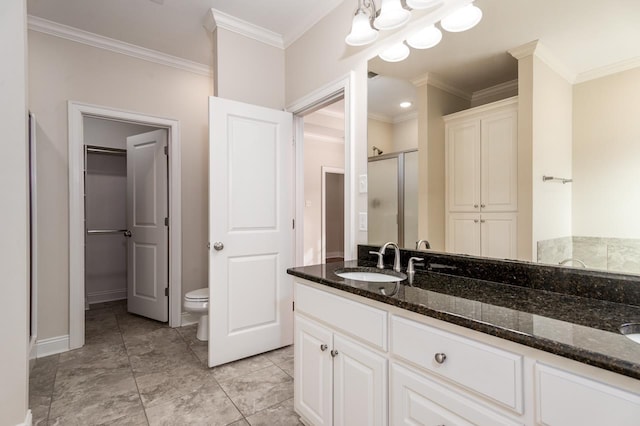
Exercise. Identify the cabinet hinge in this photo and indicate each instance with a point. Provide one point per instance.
(293, 223)
(166, 150)
(166, 221)
(293, 306)
(166, 291)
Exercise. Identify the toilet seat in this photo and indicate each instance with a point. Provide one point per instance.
(199, 295)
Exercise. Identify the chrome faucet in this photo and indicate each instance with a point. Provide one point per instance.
(427, 246)
(396, 259)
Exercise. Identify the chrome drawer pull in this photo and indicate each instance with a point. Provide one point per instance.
(440, 357)
(323, 347)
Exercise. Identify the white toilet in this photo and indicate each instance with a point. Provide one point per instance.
(197, 301)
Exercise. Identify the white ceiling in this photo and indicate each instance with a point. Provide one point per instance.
(175, 26)
(583, 34)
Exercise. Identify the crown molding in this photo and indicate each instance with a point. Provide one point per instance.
(91, 39)
(539, 50)
(432, 80)
(380, 117)
(405, 117)
(319, 137)
(608, 70)
(244, 28)
(506, 89)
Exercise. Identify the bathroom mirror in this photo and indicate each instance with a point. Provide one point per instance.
(590, 133)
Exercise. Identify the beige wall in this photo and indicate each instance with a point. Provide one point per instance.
(434, 103)
(525, 153)
(321, 57)
(62, 70)
(606, 156)
(551, 154)
(248, 71)
(380, 135)
(405, 134)
(317, 153)
(14, 245)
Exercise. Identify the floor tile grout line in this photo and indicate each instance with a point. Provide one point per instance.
(135, 380)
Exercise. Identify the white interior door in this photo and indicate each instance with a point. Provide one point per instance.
(250, 230)
(147, 204)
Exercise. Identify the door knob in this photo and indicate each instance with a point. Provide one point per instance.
(334, 353)
(440, 357)
(323, 347)
(218, 245)
(127, 233)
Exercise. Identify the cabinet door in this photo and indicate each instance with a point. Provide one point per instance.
(312, 372)
(463, 233)
(499, 162)
(498, 235)
(463, 166)
(360, 385)
(417, 399)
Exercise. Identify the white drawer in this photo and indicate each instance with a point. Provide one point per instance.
(567, 399)
(418, 400)
(493, 372)
(357, 319)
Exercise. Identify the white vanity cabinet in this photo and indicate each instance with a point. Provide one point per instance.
(396, 367)
(339, 380)
(482, 180)
(565, 398)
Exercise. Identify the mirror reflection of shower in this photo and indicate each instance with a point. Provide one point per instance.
(377, 151)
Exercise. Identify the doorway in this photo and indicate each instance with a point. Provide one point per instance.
(332, 215)
(324, 162)
(81, 118)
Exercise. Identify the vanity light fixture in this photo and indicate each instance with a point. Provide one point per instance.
(423, 4)
(405, 104)
(462, 19)
(396, 53)
(361, 30)
(425, 38)
(392, 15)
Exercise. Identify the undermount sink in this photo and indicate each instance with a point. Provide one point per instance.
(632, 331)
(371, 275)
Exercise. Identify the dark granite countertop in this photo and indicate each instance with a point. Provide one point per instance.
(580, 328)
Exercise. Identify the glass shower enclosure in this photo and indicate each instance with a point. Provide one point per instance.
(393, 198)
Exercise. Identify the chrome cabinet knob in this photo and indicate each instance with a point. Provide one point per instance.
(127, 233)
(475, 206)
(482, 221)
(483, 206)
(334, 353)
(218, 245)
(440, 357)
(475, 220)
(323, 347)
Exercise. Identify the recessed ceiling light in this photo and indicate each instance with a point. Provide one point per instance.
(405, 104)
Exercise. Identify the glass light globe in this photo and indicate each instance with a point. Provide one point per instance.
(423, 4)
(462, 19)
(361, 31)
(396, 53)
(392, 15)
(425, 38)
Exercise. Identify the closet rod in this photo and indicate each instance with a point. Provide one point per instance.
(105, 231)
(105, 150)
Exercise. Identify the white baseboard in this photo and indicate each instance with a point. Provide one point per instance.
(106, 296)
(52, 346)
(188, 318)
(28, 420)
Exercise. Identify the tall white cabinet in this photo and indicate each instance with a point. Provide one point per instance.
(481, 182)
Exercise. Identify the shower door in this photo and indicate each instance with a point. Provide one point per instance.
(393, 199)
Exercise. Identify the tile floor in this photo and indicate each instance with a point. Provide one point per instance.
(135, 371)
